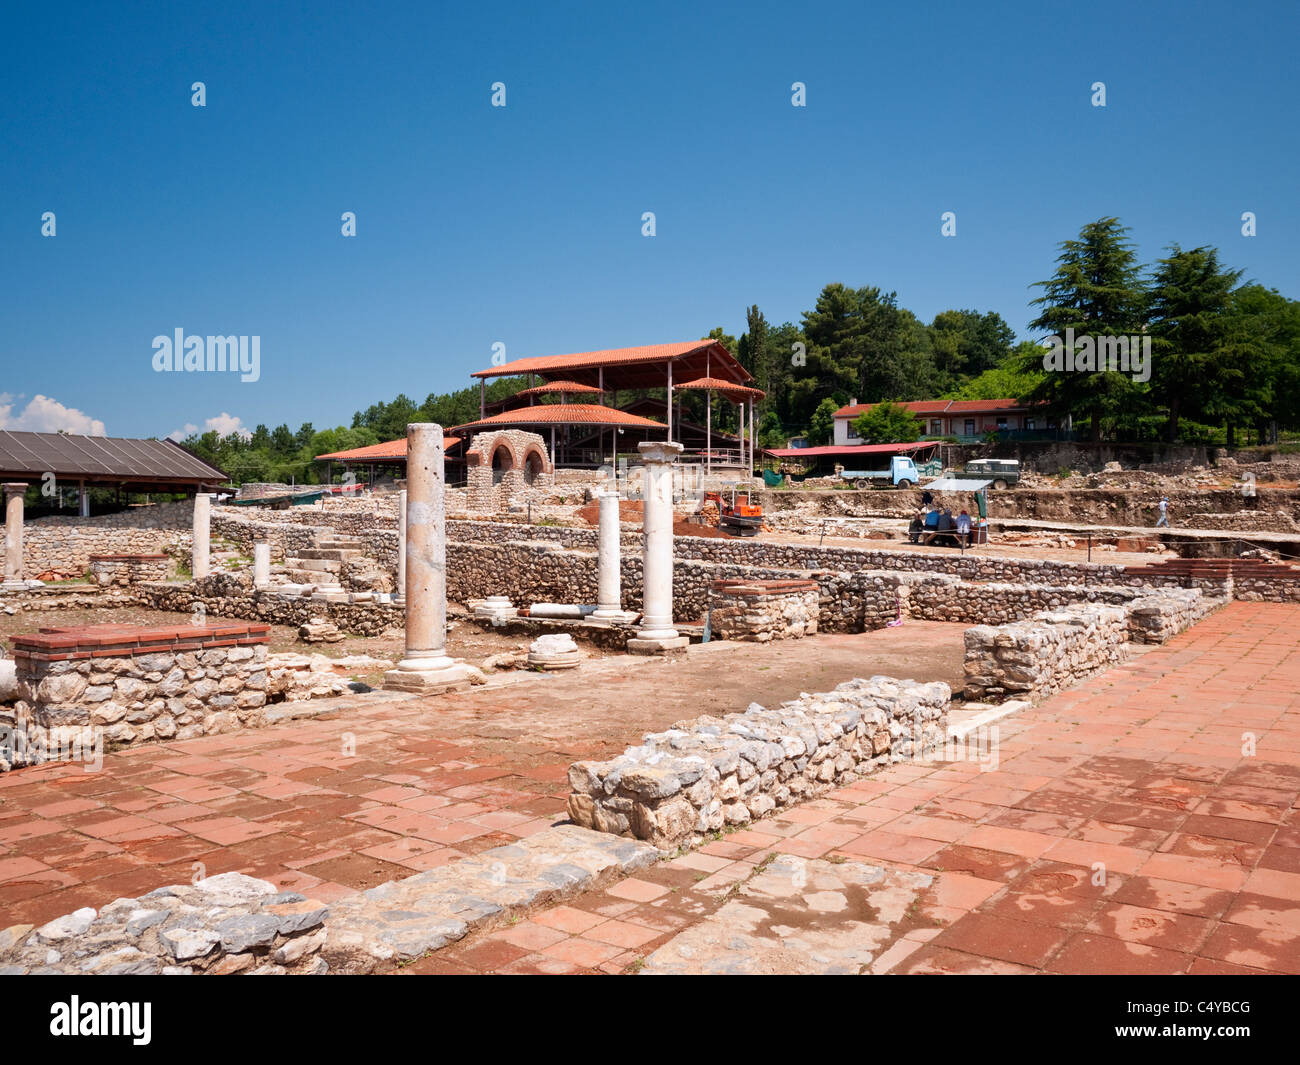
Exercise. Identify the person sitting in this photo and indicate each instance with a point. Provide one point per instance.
(963, 527)
(932, 519)
(914, 529)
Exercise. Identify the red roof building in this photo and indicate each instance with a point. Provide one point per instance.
(963, 418)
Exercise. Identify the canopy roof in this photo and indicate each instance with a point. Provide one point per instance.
(562, 414)
(643, 367)
(956, 484)
(848, 449)
(124, 462)
(388, 450)
(559, 388)
(734, 392)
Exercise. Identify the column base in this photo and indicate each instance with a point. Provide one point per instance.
(657, 645)
(431, 680)
(608, 619)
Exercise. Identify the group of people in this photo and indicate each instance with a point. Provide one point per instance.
(933, 523)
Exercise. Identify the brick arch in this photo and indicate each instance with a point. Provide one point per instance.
(543, 463)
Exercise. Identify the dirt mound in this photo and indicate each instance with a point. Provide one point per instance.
(631, 510)
(628, 510)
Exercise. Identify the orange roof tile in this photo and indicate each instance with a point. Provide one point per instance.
(387, 449)
(554, 387)
(544, 364)
(563, 414)
(717, 384)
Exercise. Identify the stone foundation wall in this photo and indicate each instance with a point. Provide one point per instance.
(702, 775)
(232, 595)
(223, 924)
(1055, 649)
(1157, 618)
(86, 687)
(942, 598)
(122, 571)
(1045, 654)
(764, 610)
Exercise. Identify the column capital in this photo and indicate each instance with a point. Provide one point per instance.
(660, 451)
(15, 488)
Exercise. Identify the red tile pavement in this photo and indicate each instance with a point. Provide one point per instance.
(381, 788)
(1122, 831)
(287, 804)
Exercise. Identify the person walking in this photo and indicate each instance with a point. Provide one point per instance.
(1164, 513)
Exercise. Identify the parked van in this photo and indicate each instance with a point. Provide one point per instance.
(1002, 472)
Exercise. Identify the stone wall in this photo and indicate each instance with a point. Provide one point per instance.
(1157, 618)
(122, 571)
(232, 595)
(220, 925)
(56, 548)
(1054, 649)
(83, 687)
(697, 777)
(1045, 654)
(764, 610)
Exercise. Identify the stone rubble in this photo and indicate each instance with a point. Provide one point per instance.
(224, 924)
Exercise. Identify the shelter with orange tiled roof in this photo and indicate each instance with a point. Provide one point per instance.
(587, 433)
(391, 454)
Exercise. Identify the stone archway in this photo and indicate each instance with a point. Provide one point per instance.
(535, 465)
(503, 461)
(502, 464)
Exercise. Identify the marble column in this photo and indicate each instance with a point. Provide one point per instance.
(14, 493)
(261, 565)
(401, 544)
(609, 595)
(656, 633)
(426, 667)
(201, 565)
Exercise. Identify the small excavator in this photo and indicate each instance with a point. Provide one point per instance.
(737, 513)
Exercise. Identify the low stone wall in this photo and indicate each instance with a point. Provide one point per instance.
(123, 571)
(1157, 618)
(65, 597)
(84, 687)
(695, 778)
(943, 598)
(224, 924)
(1055, 649)
(60, 548)
(1041, 656)
(232, 595)
(764, 610)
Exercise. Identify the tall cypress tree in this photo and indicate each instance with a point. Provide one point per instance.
(1190, 312)
(1095, 291)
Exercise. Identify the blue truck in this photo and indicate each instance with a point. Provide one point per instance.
(902, 473)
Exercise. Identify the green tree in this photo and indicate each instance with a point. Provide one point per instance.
(887, 423)
(1006, 382)
(861, 343)
(822, 425)
(1095, 291)
(1190, 313)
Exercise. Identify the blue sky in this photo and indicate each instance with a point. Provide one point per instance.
(522, 225)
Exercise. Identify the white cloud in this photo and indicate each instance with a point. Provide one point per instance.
(46, 415)
(222, 424)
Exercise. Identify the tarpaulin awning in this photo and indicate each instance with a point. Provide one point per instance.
(955, 484)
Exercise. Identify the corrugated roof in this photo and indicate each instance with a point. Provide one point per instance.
(563, 414)
(106, 458)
